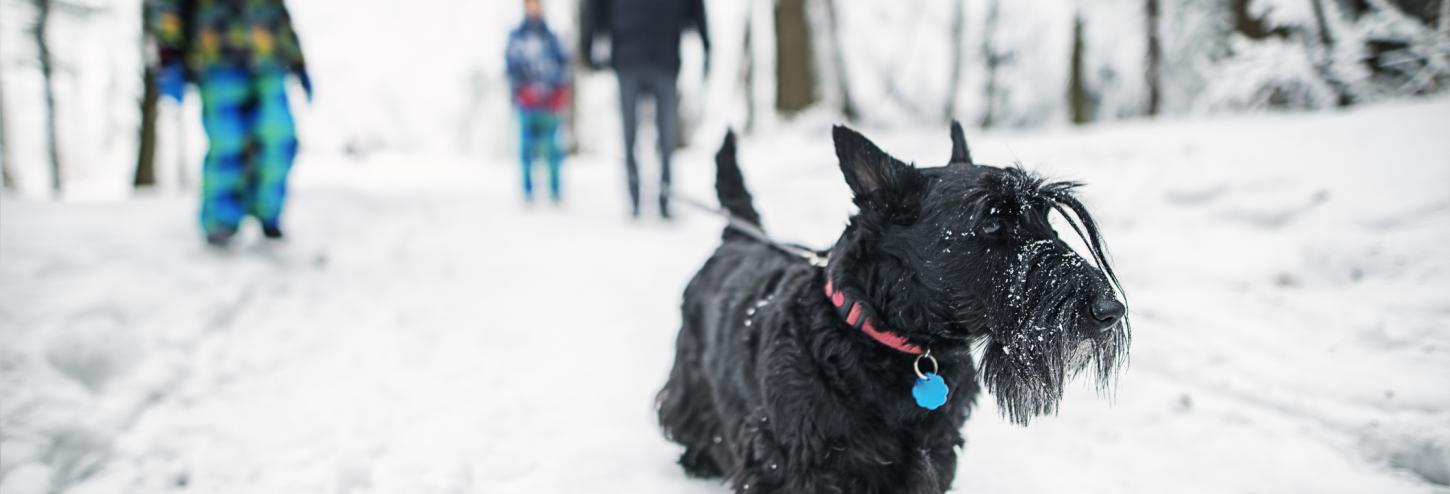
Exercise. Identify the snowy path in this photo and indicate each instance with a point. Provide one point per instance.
(438, 337)
(423, 332)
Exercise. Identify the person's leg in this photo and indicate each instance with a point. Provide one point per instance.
(528, 142)
(275, 136)
(629, 88)
(224, 95)
(549, 132)
(667, 121)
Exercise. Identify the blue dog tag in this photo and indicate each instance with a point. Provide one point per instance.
(931, 392)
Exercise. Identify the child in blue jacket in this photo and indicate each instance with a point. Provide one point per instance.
(538, 73)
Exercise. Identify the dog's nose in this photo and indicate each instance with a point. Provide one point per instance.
(1107, 311)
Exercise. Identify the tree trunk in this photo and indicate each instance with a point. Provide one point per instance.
(6, 180)
(1326, 62)
(838, 59)
(749, 66)
(993, 60)
(1155, 59)
(578, 66)
(794, 68)
(1444, 19)
(1077, 88)
(42, 21)
(146, 149)
(959, 27)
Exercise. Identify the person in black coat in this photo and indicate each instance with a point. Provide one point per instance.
(644, 40)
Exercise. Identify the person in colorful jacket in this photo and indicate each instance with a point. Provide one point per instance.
(538, 72)
(239, 54)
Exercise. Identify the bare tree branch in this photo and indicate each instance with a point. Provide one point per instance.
(6, 180)
(1155, 58)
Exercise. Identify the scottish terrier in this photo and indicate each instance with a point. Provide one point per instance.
(856, 375)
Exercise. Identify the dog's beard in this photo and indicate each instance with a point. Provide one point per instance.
(1040, 343)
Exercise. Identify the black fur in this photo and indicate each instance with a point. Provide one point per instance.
(774, 391)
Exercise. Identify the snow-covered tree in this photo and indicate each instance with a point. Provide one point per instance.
(1406, 53)
(1322, 53)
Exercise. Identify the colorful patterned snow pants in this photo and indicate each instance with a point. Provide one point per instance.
(538, 134)
(252, 144)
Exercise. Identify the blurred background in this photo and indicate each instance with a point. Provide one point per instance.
(429, 76)
(1270, 174)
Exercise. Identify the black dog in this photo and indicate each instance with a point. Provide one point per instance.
(794, 378)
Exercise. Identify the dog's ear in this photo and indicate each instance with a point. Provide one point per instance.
(960, 154)
(873, 175)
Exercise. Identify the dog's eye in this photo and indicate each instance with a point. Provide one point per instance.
(991, 226)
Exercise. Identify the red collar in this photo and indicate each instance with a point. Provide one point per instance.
(856, 314)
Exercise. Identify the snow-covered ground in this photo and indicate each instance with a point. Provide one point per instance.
(422, 331)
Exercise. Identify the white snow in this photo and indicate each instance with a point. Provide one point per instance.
(422, 331)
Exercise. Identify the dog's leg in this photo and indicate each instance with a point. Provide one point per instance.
(687, 411)
(688, 421)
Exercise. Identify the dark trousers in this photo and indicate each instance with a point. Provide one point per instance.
(635, 82)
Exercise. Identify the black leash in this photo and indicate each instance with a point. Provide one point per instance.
(748, 228)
